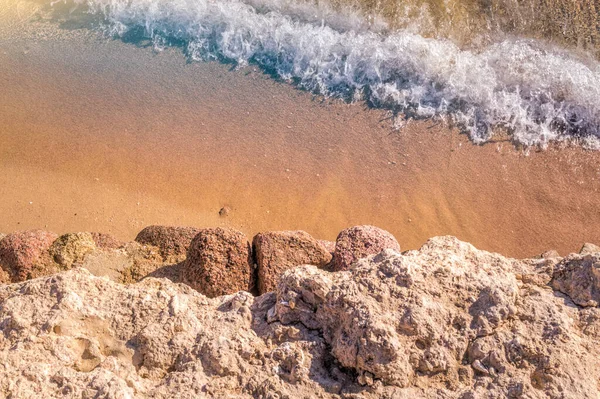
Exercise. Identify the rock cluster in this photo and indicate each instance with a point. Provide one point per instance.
(446, 321)
(213, 261)
(29, 254)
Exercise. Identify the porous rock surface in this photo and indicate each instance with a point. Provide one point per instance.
(447, 321)
(219, 262)
(359, 242)
(71, 249)
(24, 254)
(172, 241)
(129, 263)
(579, 277)
(106, 241)
(329, 245)
(277, 251)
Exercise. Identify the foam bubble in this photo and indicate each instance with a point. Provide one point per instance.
(538, 94)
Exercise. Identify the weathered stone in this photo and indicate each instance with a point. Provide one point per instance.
(24, 255)
(71, 249)
(359, 242)
(328, 245)
(4, 277)
(446, 321)
(144, 260)
(110, 263)
(589, 248)
(219, 262)
(172, 241)
(578, 276)
(550, 254)
(127, 264)
(106, 241)
(277, 251)
(2, 236)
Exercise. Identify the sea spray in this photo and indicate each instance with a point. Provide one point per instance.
(537, 93)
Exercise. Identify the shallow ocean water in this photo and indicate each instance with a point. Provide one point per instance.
(536, 91)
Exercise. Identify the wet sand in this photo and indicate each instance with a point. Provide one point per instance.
(99, 135)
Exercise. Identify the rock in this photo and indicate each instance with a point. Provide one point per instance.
(127, 264)
(24, 255)
(409, 320)
(328, 245)
(225, 211)
(173, 242)
(4, 277)
(143, 260)
(112, 264)
(277, 251)
(578, 276)
(359, 242)
(219, 262)
(446, 321)
(589, 248)
(299, 292)
(106, 241)
(71, 249)
(2, 236)
(550, 254)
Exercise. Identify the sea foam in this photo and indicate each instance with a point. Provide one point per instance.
(536, 93)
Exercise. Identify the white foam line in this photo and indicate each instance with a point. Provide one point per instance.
(538, 94)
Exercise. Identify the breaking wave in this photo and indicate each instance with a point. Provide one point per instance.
(537, 93)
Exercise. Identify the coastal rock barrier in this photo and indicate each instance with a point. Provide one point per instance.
(214, 261)
(84, 315)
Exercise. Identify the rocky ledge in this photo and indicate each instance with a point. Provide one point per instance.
(444, 321)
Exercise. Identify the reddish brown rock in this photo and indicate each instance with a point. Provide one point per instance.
(359, 242)
(278, 251)
(172, 242)
(106, 241)
(24, 255)
(219, 262)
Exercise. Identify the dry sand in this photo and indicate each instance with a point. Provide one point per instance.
(99, 135)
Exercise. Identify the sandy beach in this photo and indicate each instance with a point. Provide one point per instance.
(103, 135)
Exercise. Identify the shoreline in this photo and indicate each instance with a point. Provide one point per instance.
(102, 135)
